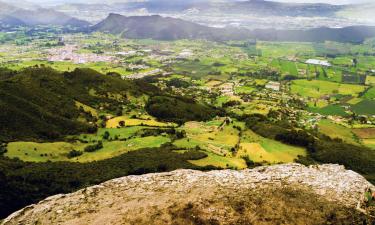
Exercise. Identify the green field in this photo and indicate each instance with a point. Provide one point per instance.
(318, 88)
(58, 151)
(330, 110)
(365, 107)
(337, 131)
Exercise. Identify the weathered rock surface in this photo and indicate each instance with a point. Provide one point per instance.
(281, 194)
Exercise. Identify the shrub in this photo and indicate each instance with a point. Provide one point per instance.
(93, 148)
(74, 153)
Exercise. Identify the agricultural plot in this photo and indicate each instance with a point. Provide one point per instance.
(127, 122)
(42, 152)
(370, 94)
(367, 136)
(288, 67)
(192, 68)
(113, 133)
(58, 151)
(370, 80)
(244, 90)
(369, 143)
(264, 150)
(365, 107)
(337, 131)
(330, 110)
(318, 88)
(220, 161)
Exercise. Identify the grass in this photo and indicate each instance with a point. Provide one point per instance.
(87, 108)
(370, 94)
(270, 151)
(365, 107)
(121, 133)
(244, 90)
(337, 131)
(113, 123)
(319, 88)
(36, 152)
(369, 143)
(370, 80)
(57, 151)
(335, 110)
(116, 148)
(288, 67)
(220, 161)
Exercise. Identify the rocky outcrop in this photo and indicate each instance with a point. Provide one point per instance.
(282, 194)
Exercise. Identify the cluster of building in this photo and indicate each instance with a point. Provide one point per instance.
(68, 53)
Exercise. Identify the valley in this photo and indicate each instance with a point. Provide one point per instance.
(82, 103)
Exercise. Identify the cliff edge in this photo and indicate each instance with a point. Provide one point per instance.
(280, 194)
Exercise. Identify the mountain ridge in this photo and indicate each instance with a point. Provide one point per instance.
(14, 16)
(168, 28)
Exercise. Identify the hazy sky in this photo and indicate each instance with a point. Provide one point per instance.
(329, 1)
(299, 1)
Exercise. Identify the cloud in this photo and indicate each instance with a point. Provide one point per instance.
(336, 2)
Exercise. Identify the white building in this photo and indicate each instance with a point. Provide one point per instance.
(318, 62)
(273, 86)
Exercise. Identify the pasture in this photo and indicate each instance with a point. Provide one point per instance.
(115, 122)
(58, 151)
(319, 88)
(337, 131)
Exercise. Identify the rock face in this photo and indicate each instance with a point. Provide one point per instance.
(281, 194)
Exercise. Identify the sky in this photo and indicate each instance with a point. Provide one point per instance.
(337, 2)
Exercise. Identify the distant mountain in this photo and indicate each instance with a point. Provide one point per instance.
(353, 34)
(164, 28)
(7, 8)
(253, 7)
(269, 8)
(14, 16)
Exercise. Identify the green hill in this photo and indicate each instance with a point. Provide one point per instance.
(39, 103)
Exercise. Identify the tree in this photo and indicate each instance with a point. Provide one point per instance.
(121, 123)
(106, 135)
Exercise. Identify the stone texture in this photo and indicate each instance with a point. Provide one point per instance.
(121, 200)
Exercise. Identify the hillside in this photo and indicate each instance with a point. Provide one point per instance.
(286, 194)
(166, 28)
(39, 102)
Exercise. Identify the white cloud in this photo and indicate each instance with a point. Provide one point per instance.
(336, 2)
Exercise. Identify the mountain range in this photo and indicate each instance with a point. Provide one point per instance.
(166, 28)
(250, 7)
(11, 15)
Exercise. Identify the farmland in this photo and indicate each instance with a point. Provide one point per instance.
(140, 106)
